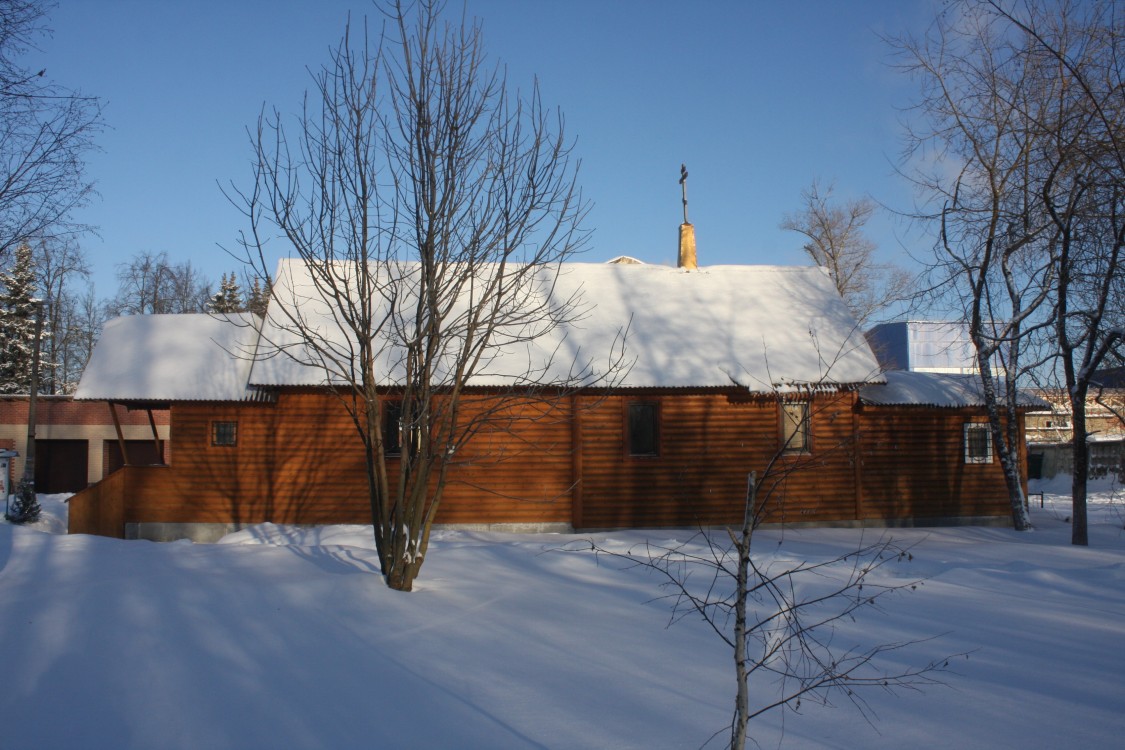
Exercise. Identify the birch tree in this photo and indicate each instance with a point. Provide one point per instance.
(431, 205)
(151, 284)
(1027, 100)
(1083, 193)
(975, 139)
(781, 619)
(63, 275)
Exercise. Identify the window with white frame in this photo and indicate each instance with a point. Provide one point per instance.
(795, 427)
(978, 443)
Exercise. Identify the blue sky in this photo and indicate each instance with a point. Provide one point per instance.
(757, 98)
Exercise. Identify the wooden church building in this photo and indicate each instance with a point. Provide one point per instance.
(727, 370)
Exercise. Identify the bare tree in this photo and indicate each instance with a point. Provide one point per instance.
(84, 327)
(994, 258)
(835, 241)
(430, 209)
(151, 284)
(780, 620)
(45, 131)
(60, 265)
(1083, 193)
(1026, 97)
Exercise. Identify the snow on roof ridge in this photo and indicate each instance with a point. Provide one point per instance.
(702, 328)
(714, 327)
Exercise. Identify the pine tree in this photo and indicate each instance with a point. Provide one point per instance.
(24, 507)
(259, 298)
(218, 301)
(17, 323)
(229, 297)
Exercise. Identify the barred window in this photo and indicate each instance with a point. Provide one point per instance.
(978, 444)
(392, 428)
(224, 434)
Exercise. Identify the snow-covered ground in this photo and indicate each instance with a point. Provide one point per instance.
(287, 638)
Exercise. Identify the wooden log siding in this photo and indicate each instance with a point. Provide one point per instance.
(914, 467)
(709, 442)
(123, 497)
(99, 509)
(300, 461)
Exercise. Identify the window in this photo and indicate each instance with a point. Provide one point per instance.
(978, 444)
(392, 428)
(643, 434)
(795, 427)
(224, 434)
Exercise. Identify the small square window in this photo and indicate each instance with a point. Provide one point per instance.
(795, 427)
(224, 433)
(643, 429)
(978, 444)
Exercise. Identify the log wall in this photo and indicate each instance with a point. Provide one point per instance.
(301, 461)
(913, 466)
(709, 442)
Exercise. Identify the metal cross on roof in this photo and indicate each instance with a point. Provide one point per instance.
(683, 189)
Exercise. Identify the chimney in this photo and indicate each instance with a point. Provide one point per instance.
(687, 247)
(687, 231)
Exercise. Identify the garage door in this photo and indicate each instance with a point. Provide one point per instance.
(60, 465)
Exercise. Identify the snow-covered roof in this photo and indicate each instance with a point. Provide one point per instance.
(761, 327)
(171, 358)
(906, 388)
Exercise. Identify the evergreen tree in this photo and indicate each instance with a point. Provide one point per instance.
(229, 297)
(17, 322)
(259, 298)
(24, 507)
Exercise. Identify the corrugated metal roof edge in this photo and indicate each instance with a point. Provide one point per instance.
(781, 390)
(950, 407)
(255, 394)
(269, 394)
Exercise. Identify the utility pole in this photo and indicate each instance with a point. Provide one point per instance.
(26, 508)
(29, 461)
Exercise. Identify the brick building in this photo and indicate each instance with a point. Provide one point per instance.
(77, 443)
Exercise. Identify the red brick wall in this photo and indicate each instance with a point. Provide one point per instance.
(59, 410)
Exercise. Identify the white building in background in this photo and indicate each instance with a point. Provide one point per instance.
(924, 346)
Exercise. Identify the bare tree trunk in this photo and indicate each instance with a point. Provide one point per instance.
(1007, 451)
(430, 209)
(742, 544)
(1080, 452)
